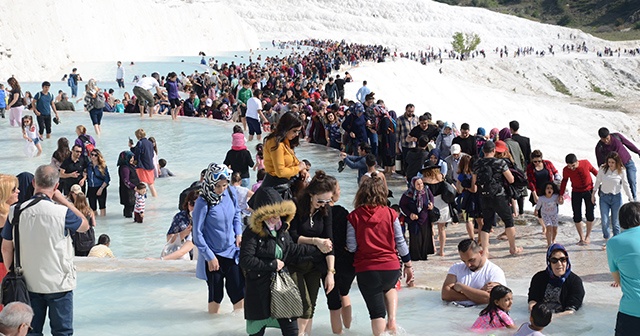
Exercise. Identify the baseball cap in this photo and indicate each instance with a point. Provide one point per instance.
(501, 146)
(455, 149)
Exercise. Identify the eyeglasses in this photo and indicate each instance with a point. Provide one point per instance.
(555, 260)
(324, 201)
(537, 161)
(28, 326)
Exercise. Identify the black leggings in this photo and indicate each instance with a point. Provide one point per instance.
(94, 199)
(373, 286)
(289, 327)
(343, 281)
(228, 276)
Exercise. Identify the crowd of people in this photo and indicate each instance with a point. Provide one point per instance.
(290, 226)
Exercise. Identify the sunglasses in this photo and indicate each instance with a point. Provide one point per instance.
(324, 201)
(94, 154)
(555, 260)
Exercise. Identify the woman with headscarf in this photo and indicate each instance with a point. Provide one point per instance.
(94, 102)
(267, 248)
(434, 180)
(217, 232)
(415, 204)
(557, 286)
(387, 138)
(128, 182)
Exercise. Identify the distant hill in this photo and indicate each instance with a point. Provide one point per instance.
(601, 17)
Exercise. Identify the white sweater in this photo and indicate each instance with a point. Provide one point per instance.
(611, 182)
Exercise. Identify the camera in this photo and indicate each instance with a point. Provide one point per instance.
(340, 166)
(56, 120)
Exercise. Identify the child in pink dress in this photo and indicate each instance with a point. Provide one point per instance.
(259, 158)
(496, 314)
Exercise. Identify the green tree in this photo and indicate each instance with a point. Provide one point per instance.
(465, 43)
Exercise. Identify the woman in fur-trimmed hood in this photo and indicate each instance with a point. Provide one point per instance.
(266, 248)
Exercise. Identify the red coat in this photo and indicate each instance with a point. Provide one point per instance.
(531, 176)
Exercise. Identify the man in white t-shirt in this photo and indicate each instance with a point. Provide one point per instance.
(120, 75)
(142, 91)
(469, 282)
(254, 115)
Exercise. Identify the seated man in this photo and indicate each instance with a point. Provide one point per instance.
(469, 282)
(64, 104)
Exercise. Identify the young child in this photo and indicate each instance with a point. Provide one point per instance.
(540, 317)
(244, 194)
(84, 241)
(548, 207)
(3, 100)
(30, 133)
(496, 314)
(259, 178)
(164, 171)
(102, 250)
(138, 209)
(259, 158)
(119, 106)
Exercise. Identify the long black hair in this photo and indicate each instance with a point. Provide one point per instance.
(497, 293)
(287, 122)
(320, 184)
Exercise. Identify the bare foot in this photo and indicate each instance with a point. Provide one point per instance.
(581, 243)
(391, 327)
(517, 251)
(441, 253)
(587, 241)
(502, 236)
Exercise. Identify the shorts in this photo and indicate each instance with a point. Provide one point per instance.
(373, 286)
(174, 102)
(96, 116)
(627, 324)
(343, 281)
(36, 141)
(254, 126)
(145, 176)
(137, 217)
(243, 111)
(144, 96)
(576, 205)
(229, 276)
(491, 206)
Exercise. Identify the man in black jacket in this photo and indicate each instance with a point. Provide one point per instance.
(524, 143)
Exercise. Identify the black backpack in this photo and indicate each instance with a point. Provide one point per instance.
(519, 177)
(485, 180)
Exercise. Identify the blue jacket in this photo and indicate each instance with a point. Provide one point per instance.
(143, 152)
(95, 178)
(357, 162)
(3, 96)
(357, 125)
(215, 229)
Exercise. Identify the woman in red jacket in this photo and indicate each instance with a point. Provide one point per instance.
(374, 234)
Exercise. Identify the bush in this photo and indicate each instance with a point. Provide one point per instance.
(565, 20)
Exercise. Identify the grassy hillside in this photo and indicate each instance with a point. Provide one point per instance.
(610, 19)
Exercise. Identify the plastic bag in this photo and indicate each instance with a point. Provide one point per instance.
(30, 149)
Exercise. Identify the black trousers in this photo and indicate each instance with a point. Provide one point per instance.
(44, 122)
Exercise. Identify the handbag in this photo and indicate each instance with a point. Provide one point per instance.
(449, 193)
(14, 287)
(434, 215)
(285, 296)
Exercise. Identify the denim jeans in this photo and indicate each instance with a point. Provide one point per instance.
(631, 177)
(246, 182)
(610, 204)
(74, 90)
(60, 307)
(373, 141)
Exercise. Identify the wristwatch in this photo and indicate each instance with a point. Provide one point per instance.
(332, 270)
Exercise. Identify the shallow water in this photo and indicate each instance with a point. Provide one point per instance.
(131, 296)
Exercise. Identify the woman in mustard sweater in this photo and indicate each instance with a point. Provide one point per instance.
(280, 161)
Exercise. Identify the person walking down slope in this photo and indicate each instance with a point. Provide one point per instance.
(616, 142)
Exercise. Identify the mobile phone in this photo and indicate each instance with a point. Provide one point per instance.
(130, 141)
